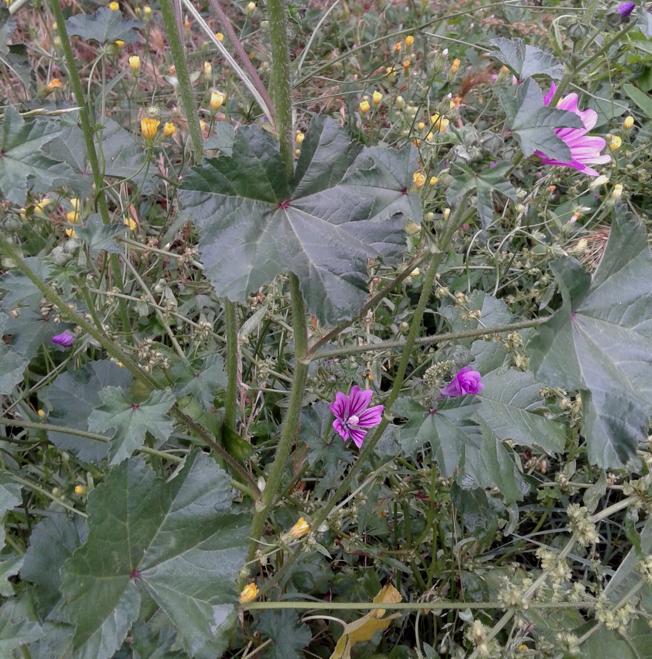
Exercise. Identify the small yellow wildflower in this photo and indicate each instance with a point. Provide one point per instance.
(397, 47)
(80, 489)
(219, 36)
(250, 8)
(615, 142)
(130, 223)
(446, 214)
(75, 202)
(119, 43)
(249, 593)
(217, 100)
(628, 122)
(41, 413)
(400, 102)
(299, 137)
(376, 98)
(72, 217)
(204, 127)
(406, 63)
(617, 192)
(439, 123)
(55, 83)
(207, 70)
(114, 6)
(147, 12)
(169, 129)
(409, 41)
(134, 63)
(421, 125)
(455, 66)
(419, 180)
(433, 180)
(149, 128)
(300, 528)
(364, 106)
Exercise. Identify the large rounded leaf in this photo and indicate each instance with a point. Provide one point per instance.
(344, 206)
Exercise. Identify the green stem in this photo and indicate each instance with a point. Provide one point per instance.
(91, 153)
(291, 421)
(230, 400)
(405, 606)
(183, 78)
(280, 80)
(428, 340)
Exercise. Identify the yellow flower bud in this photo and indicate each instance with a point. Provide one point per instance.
(130, 223)
(615, 142)
(299, 137)
(300, 528)
(400, 102)
(412, 228)
(147, 11)
(249, 593)
(376, 98)
(421, 125)
(119, 43)
(207, 70)
(406, 63)
(617, 192)
(409, 41)
(114, 6)
(41, 413)
(169, 129)
(134, 63)
(455, 66)
(628, 122)
(75, 202)
(72, 217)
(55, 83)
(80, 489)
(219, 36)
(250, 8)
(433, 180)
(149, 128)
(419, 180)
(439, 123)
(217, 100)
(446, 214)
(71, 233)
(397, 47)
(364, 106)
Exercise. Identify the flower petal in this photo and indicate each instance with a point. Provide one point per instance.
(358, 437)
(341, 430)
(360, 399)
(371, 417)
(339, 406)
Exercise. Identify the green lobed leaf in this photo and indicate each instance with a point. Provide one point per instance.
(18, 625)
(344, 206)
(73, 396)
(641, 99)
(600, 343)
(131, 421)
(533, 123)
(104, 26)
(23, 164)
(12, 364)
(525, 60)
(202, 384)
(288, 635)
(9, 498)
(177, 541)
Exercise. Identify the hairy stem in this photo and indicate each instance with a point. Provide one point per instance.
(91, 153)
(405, 606)
(183, 77)
(231, 396)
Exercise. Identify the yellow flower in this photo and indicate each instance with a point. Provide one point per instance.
(207, 69)
(446, 214)
(364, 106)
(409, 41)
(71, 233)
(419, 180)
(55, 83)
(397, 47)
(169, 129)
(119, 43)
(299, 137)
(72, 217)
(615, 142)
(217, 100)
(130, 223)
(250, 8)
(114, 6)
(134, 63)
(433, 180)
(219, 36)
(411, 228)
(41, 413)
(400, 102)
(439, 123)
(249, 593)
(406, 63)
(376, 98)
(75, 202)
(455, 66)
(147, 11)
(617, 192)
(149, 128)
(300, 528)
(628, 122)
(80, 489)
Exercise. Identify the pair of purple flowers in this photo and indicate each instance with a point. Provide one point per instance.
(354, 418)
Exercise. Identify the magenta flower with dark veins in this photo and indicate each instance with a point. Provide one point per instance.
(465, 381)
(585, 149)
(65, 339)
(353, 416)
(625, 8)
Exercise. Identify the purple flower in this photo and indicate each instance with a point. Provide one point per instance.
(65, 339)
(625, 8)
(353, 416)
(585, 150)
(466, 381)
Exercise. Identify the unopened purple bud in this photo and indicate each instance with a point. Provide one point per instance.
(626, 8)
(65, 339)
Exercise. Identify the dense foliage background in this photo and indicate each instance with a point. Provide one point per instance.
(201, 247)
